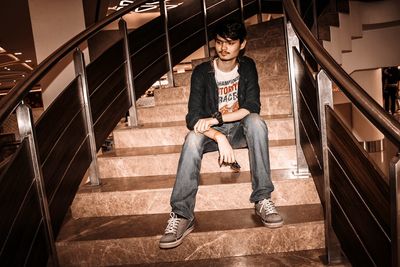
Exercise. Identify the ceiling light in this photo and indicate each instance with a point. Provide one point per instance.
(17, 53)
(28, 61)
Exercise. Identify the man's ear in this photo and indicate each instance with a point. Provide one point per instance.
(243, 44)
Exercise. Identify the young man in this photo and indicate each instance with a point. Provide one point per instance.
(224, 107)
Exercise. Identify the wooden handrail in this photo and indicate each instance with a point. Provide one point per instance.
(366, 104)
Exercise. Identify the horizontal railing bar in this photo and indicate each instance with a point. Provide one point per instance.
(367, 105)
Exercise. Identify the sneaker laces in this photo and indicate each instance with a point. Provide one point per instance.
(268, 206)
(173, 223)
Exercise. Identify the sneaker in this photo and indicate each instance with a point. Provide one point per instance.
(175, 231)
(268, 213)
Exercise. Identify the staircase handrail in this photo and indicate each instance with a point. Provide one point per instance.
(358, 96)
(11, 101)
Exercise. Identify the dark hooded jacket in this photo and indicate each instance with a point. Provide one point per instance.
(203, 99)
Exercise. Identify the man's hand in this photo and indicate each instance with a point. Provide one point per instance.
(203, 125)
(225, 149)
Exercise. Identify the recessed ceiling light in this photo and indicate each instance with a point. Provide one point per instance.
(28, 61)
(17, 53)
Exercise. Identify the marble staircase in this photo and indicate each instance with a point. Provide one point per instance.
(120, 222)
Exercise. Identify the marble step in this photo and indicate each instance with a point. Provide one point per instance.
(163, 160)
(182, 79)
(173, 133)
(303, 258)
(119, 240)
(271, 66)
(180, 94)
(269, 33)
(270, 105)
(217, 191)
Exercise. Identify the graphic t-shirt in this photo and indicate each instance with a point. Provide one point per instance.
(228, 84)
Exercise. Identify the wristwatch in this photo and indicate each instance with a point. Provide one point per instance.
(217, 115)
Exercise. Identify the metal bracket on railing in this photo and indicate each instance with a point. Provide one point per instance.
(394, 174)
(26, 130)
(207, 45)
(293, 41)
(80, 70)
(132, 119)
(164, 13)
(332, 245)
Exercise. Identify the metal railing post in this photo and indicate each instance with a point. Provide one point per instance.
(207, 45)
(164, 13)
(80, 70)
(241, 10)
(259, 14)
(132, 119)
(291, 42)
(326, 99)
(315, 18)
(26, 130)
(394, 174)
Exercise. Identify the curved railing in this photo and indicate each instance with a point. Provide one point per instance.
(39, 181)
(360, 196)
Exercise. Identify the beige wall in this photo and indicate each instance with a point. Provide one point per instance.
(370, 80)
(54, 22)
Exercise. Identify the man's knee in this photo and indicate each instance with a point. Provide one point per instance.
(193, 140)
(253, 121)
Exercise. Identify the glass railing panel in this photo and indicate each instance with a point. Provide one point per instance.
(101, 68)
(19, 204)
(250, 7)
(60, 157)
(219, 10)
(107, 92)
(112, 114)
(51, 119)
(360, 191)
(66, 190)
(182, 13)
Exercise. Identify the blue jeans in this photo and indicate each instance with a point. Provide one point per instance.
(252, 132)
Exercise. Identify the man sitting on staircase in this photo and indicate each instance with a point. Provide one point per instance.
(224, 107)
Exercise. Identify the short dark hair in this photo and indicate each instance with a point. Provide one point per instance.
(231, 29)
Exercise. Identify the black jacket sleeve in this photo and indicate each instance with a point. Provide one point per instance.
(251, 87)
(197, 97)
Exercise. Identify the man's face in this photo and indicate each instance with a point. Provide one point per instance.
(228, 49)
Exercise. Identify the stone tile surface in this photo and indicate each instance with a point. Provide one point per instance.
(236, 233)
(270, 105)
(209, 197)
(163, 164)
(143, 136)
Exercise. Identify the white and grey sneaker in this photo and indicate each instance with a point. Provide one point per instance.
(268, 213)
(175, 231)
